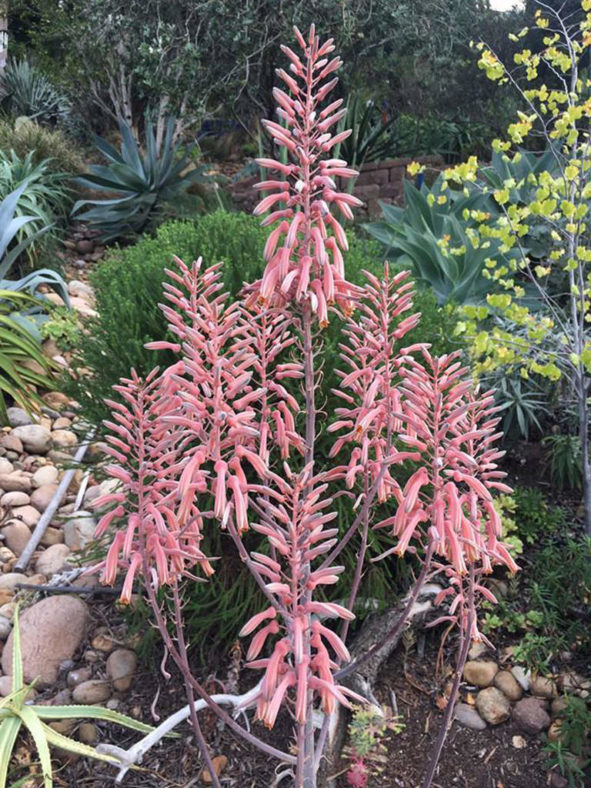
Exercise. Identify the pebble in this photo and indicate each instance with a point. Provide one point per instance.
(64, 439)
(52, 560)
(493, 706)
(6, 687)
(519, 742)
(575, 683)
(78, 675)
(42, 496)
(51, 631)
(56, 400)
(467, 716)
(17, 417)
(102, 642)
(10, 580)
(17, 481)
(480, 673)
(558, 704)
(35, 438)
(508, 684)
(28, 514)
(11, 443)
(7, 610)
(88, 733)
(477, 649)
(52, 536)
(121, 667)
(62, 423)
(14, 498)
(92, 691)
(5, 466)
(543, 687)
(48, 474)
(530, 715)
(5, 627)
(16, 535)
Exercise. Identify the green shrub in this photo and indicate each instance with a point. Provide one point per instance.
(51, 146)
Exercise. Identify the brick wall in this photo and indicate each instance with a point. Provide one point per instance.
(380, 180)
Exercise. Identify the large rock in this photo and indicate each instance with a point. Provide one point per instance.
(480, 672)
(121, 666)
(468, 717)
(35, 438)
(493, 706)
(543, 687)
(52, 560)
(508, 684)
(17, 481)
(51, 631)
(531, 716)
(9, 442)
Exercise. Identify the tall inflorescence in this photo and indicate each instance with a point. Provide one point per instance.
(304, 251)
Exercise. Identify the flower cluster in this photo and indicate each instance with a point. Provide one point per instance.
(304, 250)
(293, 519)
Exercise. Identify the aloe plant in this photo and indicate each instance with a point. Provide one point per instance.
(142, 182)
(27, 92)
(17, 713)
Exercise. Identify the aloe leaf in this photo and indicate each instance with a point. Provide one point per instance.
(36, 729)
(8, 733)
(17, 660)
(90, 712)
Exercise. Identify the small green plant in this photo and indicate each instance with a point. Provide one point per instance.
(62, 327)
(51, 146)
(366, 749)
(16, 714)
(569, 753)
(564, 459)
(137, 183)
(535, 518)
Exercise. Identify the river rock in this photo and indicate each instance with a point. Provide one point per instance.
(493, 706)
(48, 474)
(62, 423)
(35, 438)
(5, 627)
(27, 514)
(468, 717)
(52, 560)
(558, 705)
(56, 400)
(80, 289)
(16, 537)
(543, 687)
(121, 666)
(6, 466)
(10, 580)
(508, 684)
(480, 673)
(78, 675)
(11, 443)
(41, 497)
(17, 481)
(92, 691)
(64, 439)
(15, 498)
(531, 716)
(51, 631)
(17, 417)
(79, 530)
(52, 536)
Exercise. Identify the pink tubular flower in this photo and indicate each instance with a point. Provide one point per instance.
(300, 658)
(304, 260)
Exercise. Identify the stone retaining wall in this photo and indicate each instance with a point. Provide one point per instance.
(380, 180)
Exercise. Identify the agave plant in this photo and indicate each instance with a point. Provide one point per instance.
(434, 234)
(17, 713)
(27, 92)
(141, 181)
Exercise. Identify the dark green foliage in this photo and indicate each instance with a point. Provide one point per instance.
(534, 518)
(569, 754)
(564, 460)
(128, 288)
